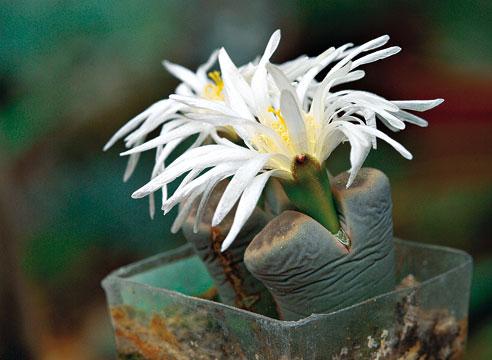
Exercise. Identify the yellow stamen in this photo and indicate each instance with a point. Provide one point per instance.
(214, 91)
(278, 114)
(280, 127)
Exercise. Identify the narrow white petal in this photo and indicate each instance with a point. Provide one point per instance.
(185, 75)
(280, 79)
(152, 206)
(233, 79)
(320, 63)
(294, 121)
(318, 104)
(246, 206)
(129, 126)
(200, 158)
(291, 68)
(411, 118)
(367, 98)
(162, 156)
(351, 76)
(330, 141)
(391, 120)
(370, 45)
(154, 120)
(207, 192)
(185, 130)
(271, 47)
(418, 105)
(187, 179)
(397, 146)
(204, 104)
(188, 187)
(377, 55)
(130, 167)
(133, 123)
(359, 149)
(371, 122)
(236, 186)
(259, 85)
(183, 212)
(235, 86)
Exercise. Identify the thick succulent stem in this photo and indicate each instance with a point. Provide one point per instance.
(310, 192)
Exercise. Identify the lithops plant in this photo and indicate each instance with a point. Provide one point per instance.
(306, 267)
(261, 123)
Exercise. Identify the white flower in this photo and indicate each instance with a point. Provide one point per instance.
(202, 84)
(279, 119)
(175, 128)
(166, 110)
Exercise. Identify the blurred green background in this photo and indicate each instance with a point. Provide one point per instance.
(72, 72)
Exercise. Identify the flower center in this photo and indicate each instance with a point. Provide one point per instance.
(213, 91)
(264, 143)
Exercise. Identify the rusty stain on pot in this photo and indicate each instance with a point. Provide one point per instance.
(242, 299)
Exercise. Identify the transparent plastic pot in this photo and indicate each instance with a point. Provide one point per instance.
(163, 308)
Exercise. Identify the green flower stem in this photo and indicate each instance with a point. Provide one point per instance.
(310, 192)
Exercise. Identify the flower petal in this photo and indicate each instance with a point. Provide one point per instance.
(204, 104)
(294, 121)
(183, 131)
(136, 121)
(418, 105)
(130, 167)
(246, 206)
(199, 158)
(236, 186)
(411, 118)
(377, 55)
(271, 47)
(236, 88)
(185, 75)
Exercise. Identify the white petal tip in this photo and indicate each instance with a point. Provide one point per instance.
(165, 209)
(126, 153)
(224, 248)
(139, 194)
(349, 181)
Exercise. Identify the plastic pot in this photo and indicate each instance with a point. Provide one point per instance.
(165, 307)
